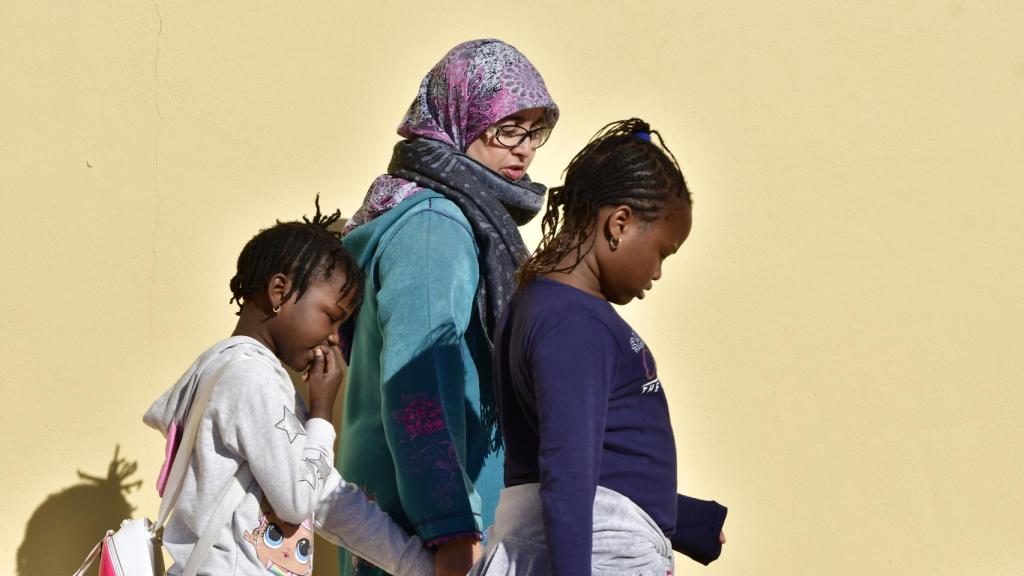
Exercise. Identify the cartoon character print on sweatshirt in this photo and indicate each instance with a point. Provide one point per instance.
(651, 381)
(283, 549)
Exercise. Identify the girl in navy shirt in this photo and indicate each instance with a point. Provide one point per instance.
(590, 465)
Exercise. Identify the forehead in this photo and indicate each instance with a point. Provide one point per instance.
(528, 116)
(327, 288)
(675, 222)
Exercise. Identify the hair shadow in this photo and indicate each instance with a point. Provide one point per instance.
(66, 526)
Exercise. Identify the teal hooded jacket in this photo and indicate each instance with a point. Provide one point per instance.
(412, 433)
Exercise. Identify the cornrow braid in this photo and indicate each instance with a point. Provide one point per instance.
(304, 251)
(621, 165)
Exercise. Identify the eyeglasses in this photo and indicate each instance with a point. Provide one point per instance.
(512, 135)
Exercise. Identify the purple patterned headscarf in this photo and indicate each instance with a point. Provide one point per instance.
(475, 85)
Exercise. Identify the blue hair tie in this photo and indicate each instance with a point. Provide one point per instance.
(645, 136)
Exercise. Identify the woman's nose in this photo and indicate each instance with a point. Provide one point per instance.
(524, 149)
(333, 339)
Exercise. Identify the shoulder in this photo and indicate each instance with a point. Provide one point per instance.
(438, 212)
(559, 308)
(435, 204)
(579, 329)
(243, 368)
(434, 229)
(567, 341)
(559, 324)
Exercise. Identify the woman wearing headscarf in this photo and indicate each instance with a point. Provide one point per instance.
(437, 236)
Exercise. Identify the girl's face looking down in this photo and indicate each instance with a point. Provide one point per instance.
(304, 324)
(511, 163)
(630, 270)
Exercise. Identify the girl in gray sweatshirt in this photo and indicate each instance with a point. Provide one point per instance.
(295, 284)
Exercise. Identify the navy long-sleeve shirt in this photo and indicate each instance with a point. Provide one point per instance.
(581, 405)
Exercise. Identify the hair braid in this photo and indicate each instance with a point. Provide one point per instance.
(303, 251)
(620, 165)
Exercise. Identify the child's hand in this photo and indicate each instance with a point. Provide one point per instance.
(324, 378)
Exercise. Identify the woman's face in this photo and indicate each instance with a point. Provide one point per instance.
(511, 163)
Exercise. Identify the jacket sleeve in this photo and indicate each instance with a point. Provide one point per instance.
(428, 274)
(260, 420)
(698, 525)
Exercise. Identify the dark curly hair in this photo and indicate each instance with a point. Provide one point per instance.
(303, 251)
(621, 165)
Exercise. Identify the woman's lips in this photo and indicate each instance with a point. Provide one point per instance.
(513, 172)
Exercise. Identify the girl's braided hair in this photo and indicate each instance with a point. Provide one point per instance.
(300, 250)
(621, 165)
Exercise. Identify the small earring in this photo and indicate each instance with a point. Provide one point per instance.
(613, 243)
(277, 309)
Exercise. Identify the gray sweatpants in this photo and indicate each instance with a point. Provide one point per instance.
(626, 539)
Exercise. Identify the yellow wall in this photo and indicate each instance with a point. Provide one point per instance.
(841, 337)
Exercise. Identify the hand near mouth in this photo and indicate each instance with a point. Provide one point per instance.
(324, 377)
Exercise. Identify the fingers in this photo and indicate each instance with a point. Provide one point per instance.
(335, 363)
(317, 356)
(327, 363)
(330, 360)
(317, 367)
(318, 362)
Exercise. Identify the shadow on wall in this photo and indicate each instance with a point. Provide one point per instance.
(69, 523)
(65, 527)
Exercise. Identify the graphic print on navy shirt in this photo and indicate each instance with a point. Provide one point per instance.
(652, 383)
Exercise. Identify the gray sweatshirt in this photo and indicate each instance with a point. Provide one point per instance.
(256, 417)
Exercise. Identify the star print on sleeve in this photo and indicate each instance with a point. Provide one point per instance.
(318, 471)
(291, 425)
(309, 477)
(323, 469)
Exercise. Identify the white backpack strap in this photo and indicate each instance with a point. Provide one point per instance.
(229, 500)
(87, 563)
(232, 494)
(176, 477)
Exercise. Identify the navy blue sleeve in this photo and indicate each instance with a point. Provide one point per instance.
(572, 367)
(698, 525)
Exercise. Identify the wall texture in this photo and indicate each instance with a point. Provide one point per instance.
(841, 337)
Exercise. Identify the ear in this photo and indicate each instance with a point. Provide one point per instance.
(277, 287)
(618, 221)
